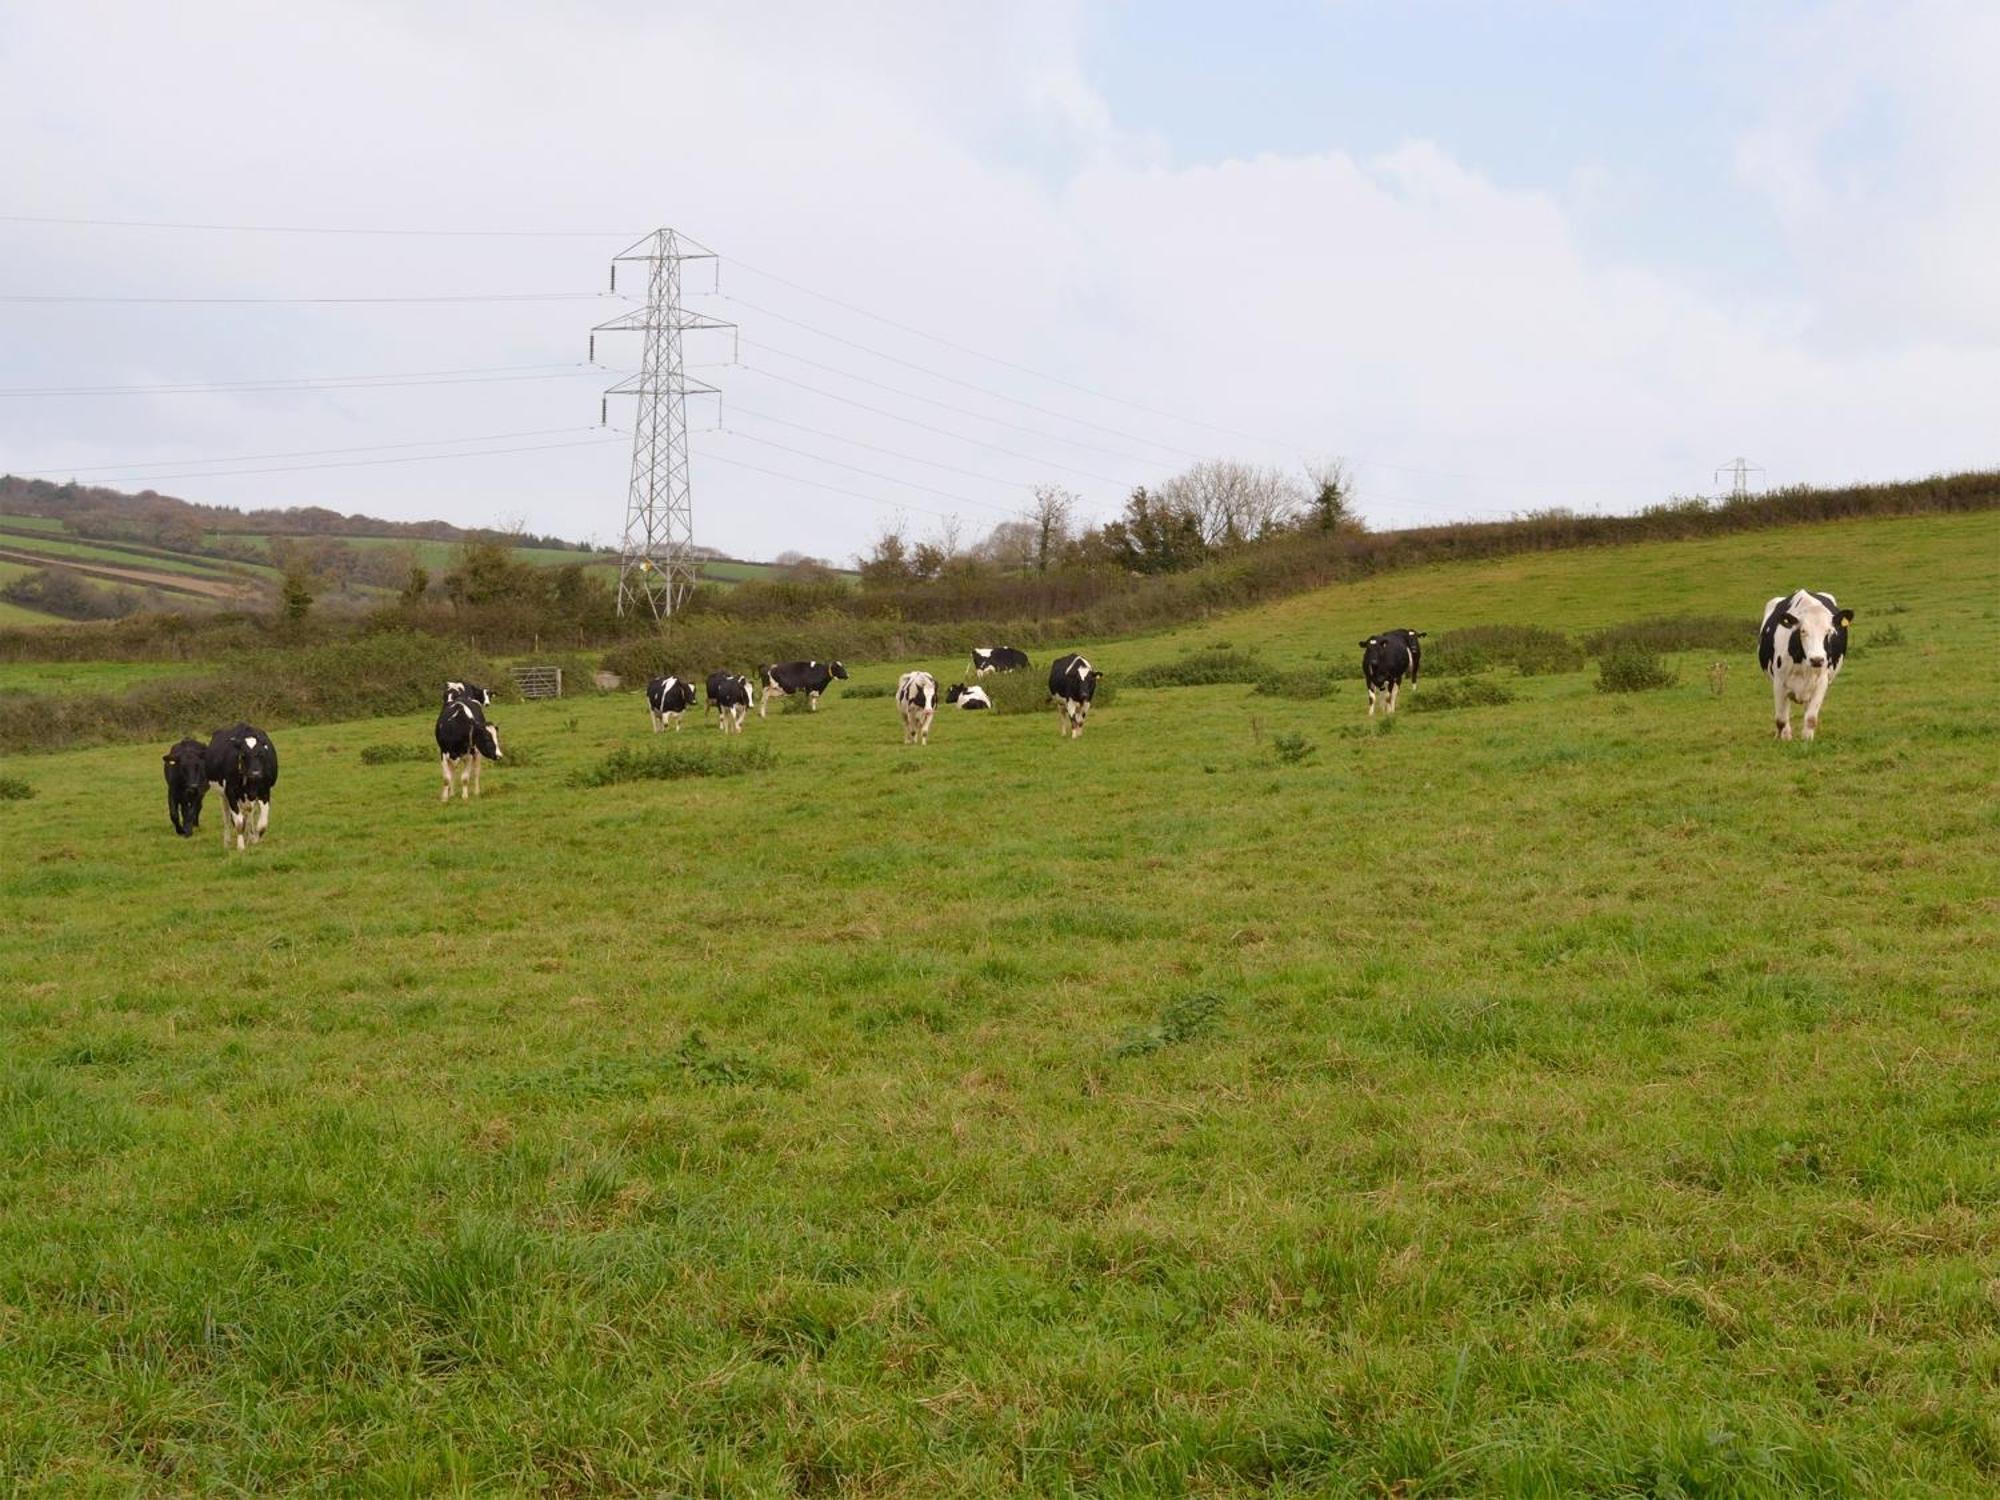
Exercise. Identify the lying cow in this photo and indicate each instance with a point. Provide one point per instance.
(465, 742)
(244, 763)
(967, 697)
(917, 696)
(729, 695)
(997, 659)
(187, 784)
(1801, 646)
(1386, 659)
(669, 698)
(808, 677)
(1073, 683)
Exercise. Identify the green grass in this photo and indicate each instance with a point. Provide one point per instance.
(14, 614)
(46, 678)
(31, 523)
(1579, 1095)
(150, 559)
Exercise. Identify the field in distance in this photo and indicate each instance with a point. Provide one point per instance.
(1577, 1094)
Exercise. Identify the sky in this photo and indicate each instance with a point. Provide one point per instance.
(1496, 255)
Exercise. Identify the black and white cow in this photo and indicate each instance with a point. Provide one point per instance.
(967, 697)
(465, 742)
(669, 698)
(729, 695)
(1073, 683)
(187, 783)
(808, 677)
(917, 696)
(997, 659)
(470, 692)
(1386, 659)
(1801, 646)
(244, 763)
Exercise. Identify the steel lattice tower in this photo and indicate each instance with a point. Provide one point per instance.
(656, 563)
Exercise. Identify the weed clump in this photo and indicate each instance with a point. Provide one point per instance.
(1532, 650)
(1187, 1019)
(1474, 692)
(868, 690)
(1202, 668)
(1671, 633)
(1293, 749)
(1634, 669)
(676, 762)
(13, 789)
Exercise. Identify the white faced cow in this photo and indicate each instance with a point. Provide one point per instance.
(729, 695)
(808, 677)
(669, 698)
(1385, 660)
(244, 763)
(465, 741)
(917, 696)
(997, 659)
(1802, 644)
(1073, 683)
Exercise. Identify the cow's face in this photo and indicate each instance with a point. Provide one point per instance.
(1814, 630)
(489, 741)
(839, 671)
(253, 776)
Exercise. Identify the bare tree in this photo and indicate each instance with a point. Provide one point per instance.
(1050, 515)
(1010, 546)
(1235, 501)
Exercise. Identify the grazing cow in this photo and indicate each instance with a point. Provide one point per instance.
(244, 763)
(471, 692)
(465, 741)
(187, 784)
(997, 659)
(808, 677)
(967, 697)
(1385, 660)
(729, 695)
(1801, 646)
(1073, 683)
(669, 698)
(916, 696)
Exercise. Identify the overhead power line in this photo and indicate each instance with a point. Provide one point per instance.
(244, 458)
(481, 297)
(484, 234)
(738, 463)
(911, 484)
(364, 463)
(471, 375)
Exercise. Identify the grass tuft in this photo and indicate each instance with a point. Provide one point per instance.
(1187, 1019)
(1474, 692)
(676, 762)
(395, 755)
(13, 789)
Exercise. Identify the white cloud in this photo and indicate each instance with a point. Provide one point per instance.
(951, 167)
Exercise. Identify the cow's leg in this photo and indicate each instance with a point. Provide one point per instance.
(1395, 692)
(656, 721)
(812, 703)
(676, 720)
(263, 818)
(1371, 700)
(444, 765)
(764, 703)
(1813, 703)
(1783, 709)
(227, 818)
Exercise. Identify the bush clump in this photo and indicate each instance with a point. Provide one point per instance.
(1532, 650)
(675, 762)
(13, 789)
(1633, 669)
(1293, 749)
(1474, 692)
(1027, 691)
(871, 689)
(1673, 633)
(1211, 664)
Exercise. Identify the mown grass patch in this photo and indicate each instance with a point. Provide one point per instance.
(676, 761)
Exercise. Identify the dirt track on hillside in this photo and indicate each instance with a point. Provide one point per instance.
(179, 583)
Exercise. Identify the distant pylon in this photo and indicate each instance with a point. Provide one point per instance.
(1739, 470)
(656, 563)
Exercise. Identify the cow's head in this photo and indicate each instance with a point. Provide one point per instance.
(253, 769)
(1818, 632)
(487, 741)
(955, 692)
(839, 671)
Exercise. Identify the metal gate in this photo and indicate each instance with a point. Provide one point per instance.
(538, 682)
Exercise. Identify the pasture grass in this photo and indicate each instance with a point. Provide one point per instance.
(1580, 1095)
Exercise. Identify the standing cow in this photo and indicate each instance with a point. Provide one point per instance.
(1801, 646)
(465, 741)
(244, 763)
(187, 784)
(669, 698)
(1386, 659)
(1073, 683)
(997, 659)
(808, 677)
(729, 695)
(917, 696)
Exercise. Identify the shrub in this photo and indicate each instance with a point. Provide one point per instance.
(1888, 637)
(1530, 649)
(1027, 691)
(1673, 633)
(1633, 669)
(872, 689)
(389, 755)
(13, 789)
(673, 762)
(1201, 668)
(1475, 692)
(1293, 749)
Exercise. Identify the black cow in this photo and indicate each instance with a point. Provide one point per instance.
(465, 741)
(669, 698)
(729, 695)
(244, 763)
(967, 697)
(187, 784)
(997, 659)
(1073, 683)
(808, 677)
(1386, 659)
(470, 692)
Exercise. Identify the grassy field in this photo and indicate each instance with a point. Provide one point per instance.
(50, 677)
(1579, 1095)
(60, 548)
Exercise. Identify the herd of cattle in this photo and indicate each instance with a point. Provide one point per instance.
(1800, 646)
